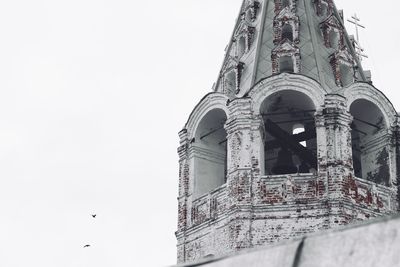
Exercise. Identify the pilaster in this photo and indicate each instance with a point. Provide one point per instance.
(335, 163)
(396, 145)
(244, 165)
(183, 191)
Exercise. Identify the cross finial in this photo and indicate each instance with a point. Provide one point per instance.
(359, 50)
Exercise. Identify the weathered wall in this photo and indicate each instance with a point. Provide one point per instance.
(285, 207)
(367, 245)
(252, 209)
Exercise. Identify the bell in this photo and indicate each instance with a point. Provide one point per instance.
(284, 164)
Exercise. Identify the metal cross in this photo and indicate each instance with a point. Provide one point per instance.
(358, 47)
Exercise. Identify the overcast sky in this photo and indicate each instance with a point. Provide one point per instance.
(92, 96)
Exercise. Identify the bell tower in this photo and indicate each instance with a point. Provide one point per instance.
(293, 139)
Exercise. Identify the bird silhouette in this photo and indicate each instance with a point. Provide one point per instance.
(94, 215)
(86, 246)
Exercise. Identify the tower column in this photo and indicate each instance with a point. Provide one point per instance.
(335, 164)
(183, 193)
(396, 144)
(245, 162)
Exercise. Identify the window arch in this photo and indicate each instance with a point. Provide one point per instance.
(334, 39)
(289, 123)
(287, 32)
(249, 15)
(210, 153)
(323, 7)
(285, 58)
(241, 46)
(369, 143)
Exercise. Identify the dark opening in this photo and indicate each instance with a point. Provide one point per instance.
(370, 155)
(287, 32)
(290, 138)
(286, 64)
(210, 146)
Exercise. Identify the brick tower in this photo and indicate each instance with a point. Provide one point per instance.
(293, 139)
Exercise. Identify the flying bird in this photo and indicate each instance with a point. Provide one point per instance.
(86, 246)
(94, 215)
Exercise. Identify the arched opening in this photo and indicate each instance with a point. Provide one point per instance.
(287, 32)
(370, 154)
(334, 39)
(324, 9)
(249, 15)
(290, 138)
(210, 156)
(230, 86)
(346, 75)
(241, 47)
(286, 64)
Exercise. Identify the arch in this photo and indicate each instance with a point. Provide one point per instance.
(286, 81)
(209, 102)
(249, 15)
(368, 92)
(324, 9)
(286, 150)
(241, 46)
(334, 38)
(209, 152)
(287, 32)
(369, 143)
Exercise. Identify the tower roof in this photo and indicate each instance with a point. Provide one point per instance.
(306, 37)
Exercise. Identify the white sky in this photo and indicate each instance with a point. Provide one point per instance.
(92, 96)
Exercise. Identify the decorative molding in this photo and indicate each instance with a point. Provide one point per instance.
(332, 24)
(210, 102)
(246, 31)
(232, 65)
(251, 8)
(289, 49)
(319, 7)
(286, 81)
(367, 92)
(339, 58)
(286, 17)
